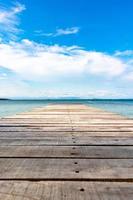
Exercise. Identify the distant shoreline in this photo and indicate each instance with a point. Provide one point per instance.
(64, 99)
(4, 99)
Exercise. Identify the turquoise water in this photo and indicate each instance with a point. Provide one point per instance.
(123, 107)
(10, 107)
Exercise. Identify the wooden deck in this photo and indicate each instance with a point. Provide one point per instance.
(66, 152)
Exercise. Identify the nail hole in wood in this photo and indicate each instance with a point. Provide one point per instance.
(82, 189)
(77, 171)
(72, 153)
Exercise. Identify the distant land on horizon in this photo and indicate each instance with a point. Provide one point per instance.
(1, 99)
(66, 99)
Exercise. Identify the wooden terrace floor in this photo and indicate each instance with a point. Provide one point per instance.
(66, 152)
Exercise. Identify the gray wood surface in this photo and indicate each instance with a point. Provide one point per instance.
(68, 141)
(85, 169)
(61, 190)
(67, 151)
(17, 134)
(55, 152)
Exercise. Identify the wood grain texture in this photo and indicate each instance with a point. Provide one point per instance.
(41, 134)
(56, 151)
(16, 168)
(67, 151)
(82, 141)
(61, 190)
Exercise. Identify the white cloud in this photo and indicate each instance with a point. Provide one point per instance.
(26, 63)
(59, 32)
(34, 61)
(14, 88)
(18, 89)
(124, 53)
(91, 93)
(67, 31)
(9, 20)
(42, 33)
(3, 76)
(129, 76)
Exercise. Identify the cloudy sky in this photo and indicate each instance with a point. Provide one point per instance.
(59, 48)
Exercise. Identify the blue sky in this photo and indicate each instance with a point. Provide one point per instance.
(59, 48)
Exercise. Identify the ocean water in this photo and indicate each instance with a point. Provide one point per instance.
(123, 107)
(10, 107)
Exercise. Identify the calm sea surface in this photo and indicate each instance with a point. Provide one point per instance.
(10, 107)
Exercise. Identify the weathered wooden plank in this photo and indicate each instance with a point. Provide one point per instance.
(68, 127)
(85, 169)
(18, 134)
(67, 151)
(32, 128)
(102, 133)
(80, 111)
(67, 111)
(67, 141)
(70, 113)
(4, 122)
(41, 120)
(84, 118)
(61, 190)
(101, 128)
(65, 116)
(64, 129)
(40, 116)
(80, 125)
(62, 120)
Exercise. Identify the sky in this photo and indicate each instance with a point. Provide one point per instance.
(59, 48)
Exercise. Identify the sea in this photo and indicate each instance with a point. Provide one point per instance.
(120, 106)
